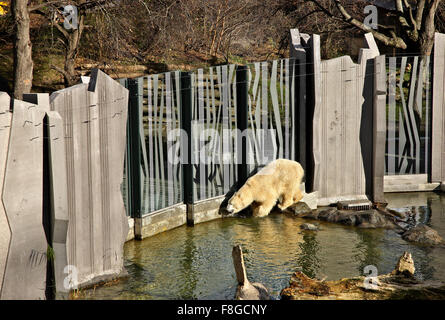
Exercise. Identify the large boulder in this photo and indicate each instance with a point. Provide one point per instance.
(422, 234)
(362, 219)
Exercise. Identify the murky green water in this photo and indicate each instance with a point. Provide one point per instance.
(196, 263)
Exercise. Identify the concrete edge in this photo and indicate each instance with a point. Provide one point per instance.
(130, 235)
(208, 210)
(160, 221)
(413, 187)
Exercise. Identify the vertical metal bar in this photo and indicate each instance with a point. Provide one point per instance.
(392, 153)
(242, 105)
(134, 149)
(300, 108)
(127, 202)
(186, 143)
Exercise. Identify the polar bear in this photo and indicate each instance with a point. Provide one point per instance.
(279, 180)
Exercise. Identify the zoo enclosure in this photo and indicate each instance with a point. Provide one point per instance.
(206, 104)
(294, 98)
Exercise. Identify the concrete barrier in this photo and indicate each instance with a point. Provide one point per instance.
(160, 221)
(95, 120)
(24, 276)
(5, 129)
(438, 111)
(342, 126)
(58, 196)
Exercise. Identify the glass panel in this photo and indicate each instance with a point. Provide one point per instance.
(408, 115)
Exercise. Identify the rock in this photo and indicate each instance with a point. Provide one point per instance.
(422, 234)
(310, 199)
(372, 219)
(245, 289)
(347, 218)
(300, 208)
(305, 205)
(329, 215)
(402, 213)
(309, 226)
(405, 265)
(362, 219)
(311, 215)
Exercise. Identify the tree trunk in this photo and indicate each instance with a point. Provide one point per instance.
(426, 38)
(23, 64)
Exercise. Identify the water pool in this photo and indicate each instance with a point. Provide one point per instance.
(196, 263)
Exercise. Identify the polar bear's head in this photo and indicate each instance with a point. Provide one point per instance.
(239, 201)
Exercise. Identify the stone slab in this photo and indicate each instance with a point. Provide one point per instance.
(160, 221)
(409, 183)
(5, 232)
(438, 111)
(341, 144)
(59, 197)
(207, 210)
(95, 120)
(25, 272)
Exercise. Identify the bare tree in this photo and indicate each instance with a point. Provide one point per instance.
(70, 38)
(414, 23)
(23, 64)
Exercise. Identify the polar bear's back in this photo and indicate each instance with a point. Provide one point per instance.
(283, 172)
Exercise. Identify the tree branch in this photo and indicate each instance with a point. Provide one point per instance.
(419, 13)
(395, 41)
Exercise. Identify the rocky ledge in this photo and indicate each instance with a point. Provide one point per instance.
(399, 284)
(401, 222)
(362, 219)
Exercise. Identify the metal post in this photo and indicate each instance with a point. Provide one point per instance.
(186, 144)
(298, 71)
(134, 149)
(127, 203)
(313, 97)
(242, 123)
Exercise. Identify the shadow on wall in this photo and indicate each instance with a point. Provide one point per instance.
(366, 125)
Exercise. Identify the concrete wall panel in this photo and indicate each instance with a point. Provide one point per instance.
(5, 232)
(95, 117)
(59, 196)
(342, 134)
(25, 272)
(438, 112)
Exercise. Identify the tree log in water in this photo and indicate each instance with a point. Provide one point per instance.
(246, 290)
(399, 284)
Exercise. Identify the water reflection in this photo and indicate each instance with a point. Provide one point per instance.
(196, 263)
(308, 259)
(368, 248)
(186, 270)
